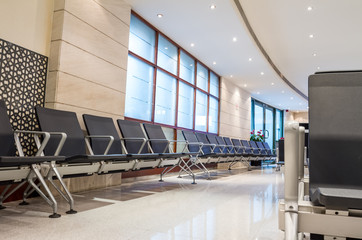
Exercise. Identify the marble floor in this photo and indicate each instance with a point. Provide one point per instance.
(233, 205)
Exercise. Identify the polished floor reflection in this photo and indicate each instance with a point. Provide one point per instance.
(233, 205)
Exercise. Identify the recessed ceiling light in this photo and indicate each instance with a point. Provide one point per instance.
(309, 8)
(307, 107)
(272, 84)
(279, 104)
(166, 48)
(311, 36)
(250, 59)
(262, 73)
(190, 65)
(318, 68)
(314, 54)
(257, 92)
(213, 6)
(159, 15)
(283, 91)
(192, 44)
(291, 98)
(245, 85)
(231, 76)
(234, 39)
(214, 63)
(297, 111)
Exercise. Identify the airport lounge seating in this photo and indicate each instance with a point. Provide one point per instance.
(23, 169)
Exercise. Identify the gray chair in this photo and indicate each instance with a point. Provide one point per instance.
(22, 169)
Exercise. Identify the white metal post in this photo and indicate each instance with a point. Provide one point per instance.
(301, 153)
(291, 180)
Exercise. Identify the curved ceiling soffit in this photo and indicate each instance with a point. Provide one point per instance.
(261, 48)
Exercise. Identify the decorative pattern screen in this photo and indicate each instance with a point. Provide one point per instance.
(22, 87)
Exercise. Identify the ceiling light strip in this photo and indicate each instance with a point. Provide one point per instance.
(242, 13)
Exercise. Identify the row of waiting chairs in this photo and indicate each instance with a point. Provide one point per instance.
(65, 152)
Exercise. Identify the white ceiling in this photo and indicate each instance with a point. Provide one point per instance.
(282, 27)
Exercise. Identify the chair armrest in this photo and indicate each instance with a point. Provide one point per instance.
(176, 141)
(36, 135)
(159, 140)
(110, 142)
(195, 143)
(144, 141)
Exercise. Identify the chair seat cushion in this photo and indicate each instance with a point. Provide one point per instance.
(97, 158)
(6, 161)
(337, 198)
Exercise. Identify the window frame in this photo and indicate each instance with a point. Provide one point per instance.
(178, 80)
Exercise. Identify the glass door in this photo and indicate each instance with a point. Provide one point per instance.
(259, 117)
(269, 126)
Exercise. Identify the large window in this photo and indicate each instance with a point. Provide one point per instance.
(166, 85)
(267, 119)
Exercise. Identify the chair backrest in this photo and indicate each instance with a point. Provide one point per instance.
(229, 143)
(51, 120)
(246, 146)
(156, 132)
(267, 148)
(335, 129)
(6, 133)
(261, 147)
(255, 147)
(236, 142)
(221, 142)
(201, 137)
(132, 129)
(190, 137)
(212, 139)
(97, 125)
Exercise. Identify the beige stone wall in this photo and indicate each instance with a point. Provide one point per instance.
(301, 117)
(27, 23)
(88, 66)
(235, 114)
(88, 59)
(235, 111)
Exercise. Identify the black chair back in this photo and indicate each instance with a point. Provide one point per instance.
(262, 148)
(221, 142)
(335, 129)
(97, 125)
(236, 142)
(267, 148)
(132, 129)
(246, 146)
(190, 137)
(51, 120)
(6, 133)
(203, 139)
(228, 142)
(212, 139)
(156, 132)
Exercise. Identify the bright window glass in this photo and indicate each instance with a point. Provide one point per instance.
(259, 118)
(269, 126)
(202, 77)
(139, 89)
(201, 111)
(214, 84)
(187, 68)
(185, 106)
(165, 104)
(213, 115)
(142, 39)
(167, 55)
(278, 125)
